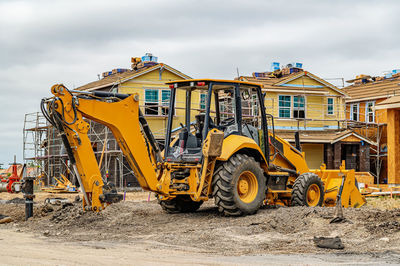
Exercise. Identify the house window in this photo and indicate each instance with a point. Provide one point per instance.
(254, 105)
(165, 97)
(151, 101)
(369, 112)
(298, 107)
(330, 105)
(203, 97)
(354, 111)
(284, 106)
(156, 101)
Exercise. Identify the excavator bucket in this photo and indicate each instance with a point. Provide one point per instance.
(340, 185)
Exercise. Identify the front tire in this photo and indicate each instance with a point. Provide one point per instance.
(239, 186)
(308, 190)
(180, 204)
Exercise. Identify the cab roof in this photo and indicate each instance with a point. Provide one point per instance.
(203, 82)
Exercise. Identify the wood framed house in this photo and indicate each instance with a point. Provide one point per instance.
(392, 108)
(365, 93)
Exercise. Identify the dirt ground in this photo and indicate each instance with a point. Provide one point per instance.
(372, 232)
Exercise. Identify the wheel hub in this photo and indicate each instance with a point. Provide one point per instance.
(247, 187)
(243, 186)
(313, 195)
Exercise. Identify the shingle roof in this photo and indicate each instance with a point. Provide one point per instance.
(392, 102)
(275, 83)
(373, 90)
(117, 78)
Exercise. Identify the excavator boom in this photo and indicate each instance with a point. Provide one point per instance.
(67, 111)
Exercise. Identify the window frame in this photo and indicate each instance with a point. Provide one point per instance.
(161, 105)
(165, 105)
(333, 105)
(254, 105)
(205, 100)
(299, 108)
(367, 113)
(285, 107)
(352, 111)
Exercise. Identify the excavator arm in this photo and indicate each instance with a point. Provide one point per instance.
(121, 114)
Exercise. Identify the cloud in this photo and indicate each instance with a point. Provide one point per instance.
(46, 42)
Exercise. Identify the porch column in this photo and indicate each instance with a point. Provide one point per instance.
(393, 144)
(329, 156)
(337, 157)
(364, 157)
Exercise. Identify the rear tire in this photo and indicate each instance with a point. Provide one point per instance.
(180, 204)
(308, 190)
(239, 186)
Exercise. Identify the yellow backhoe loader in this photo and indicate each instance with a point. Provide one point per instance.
(223, 151)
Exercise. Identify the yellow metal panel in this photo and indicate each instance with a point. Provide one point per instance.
(234, 143)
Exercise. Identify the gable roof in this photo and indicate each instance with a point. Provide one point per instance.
(392, 102)
(373, 90)
(326, 136)
(119, 78)
(282, 84)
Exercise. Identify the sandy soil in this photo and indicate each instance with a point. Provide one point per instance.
(41, 196)
(371, 234)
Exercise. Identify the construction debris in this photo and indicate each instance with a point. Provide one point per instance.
(5, 219)
(63, 186)
(329, 242)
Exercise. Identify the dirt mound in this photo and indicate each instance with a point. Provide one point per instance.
(16, 201)
(279, 230)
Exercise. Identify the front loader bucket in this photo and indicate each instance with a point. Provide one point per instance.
(332, 179)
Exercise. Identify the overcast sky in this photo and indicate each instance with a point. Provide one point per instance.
(47, 42)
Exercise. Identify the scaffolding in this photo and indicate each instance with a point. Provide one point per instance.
(44, 150)
(34, 141)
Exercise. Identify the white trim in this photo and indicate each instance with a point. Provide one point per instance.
(356, 135)
(205, 102)
(159, 103)
(99, 87)
(285, 107)
(358, 111)
(155, 68)
(305, 105)
(372, 110)
(327, 106)
(170, 69)
(296, 91)
(140, 73)
(310, 75)
(387, 106)
(368, 98)
(292, 106)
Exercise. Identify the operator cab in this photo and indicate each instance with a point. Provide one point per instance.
(234, 107)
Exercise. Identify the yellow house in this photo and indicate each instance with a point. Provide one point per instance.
(301, 101)
(147, 78)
